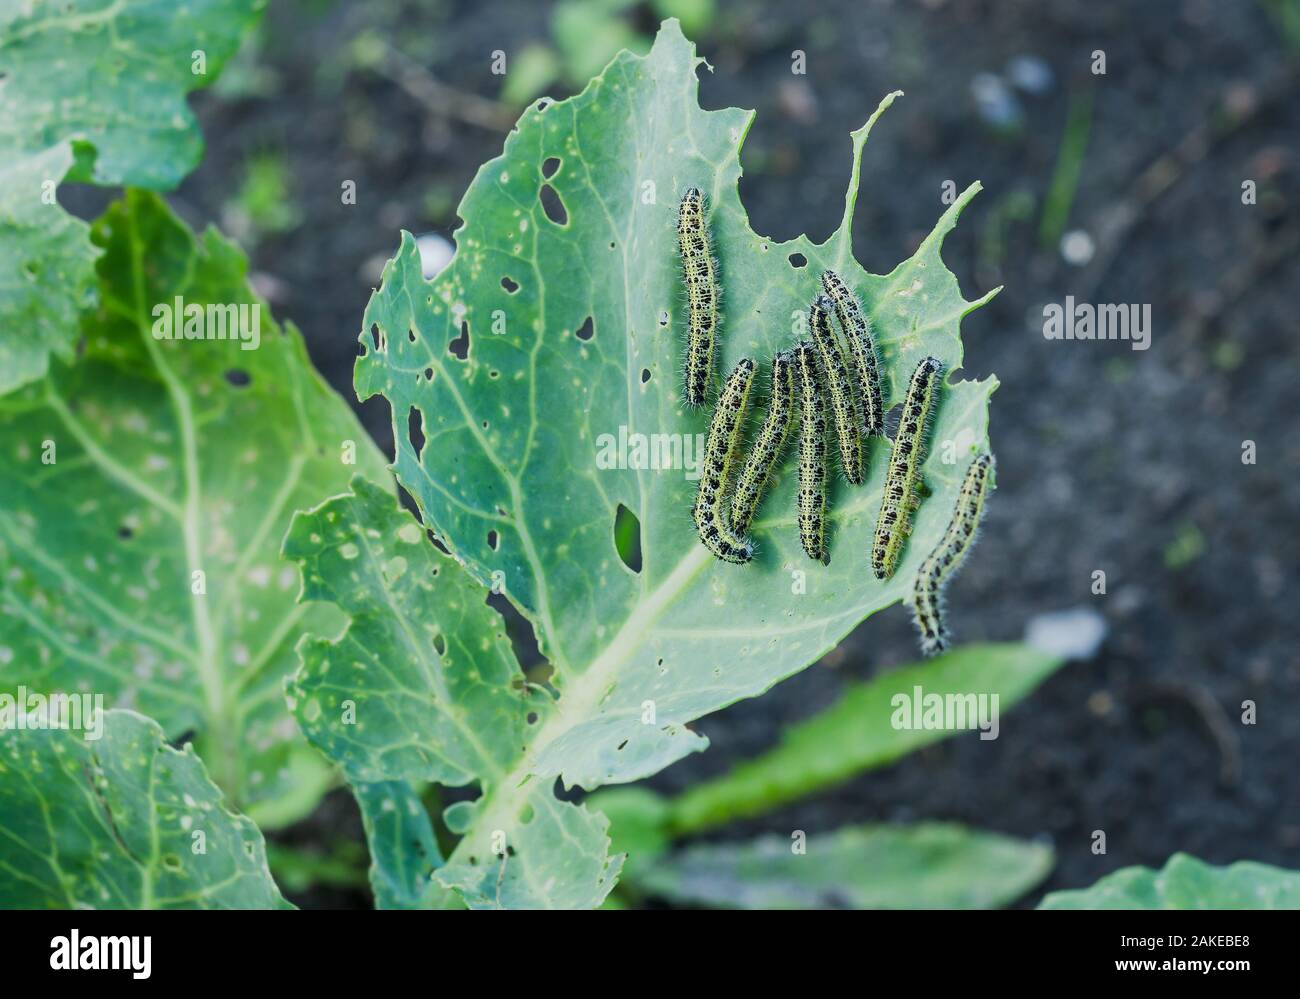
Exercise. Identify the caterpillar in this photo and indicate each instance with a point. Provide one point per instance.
(900, 495)
(812, 456)
(940, 565)
(701, 276)
(857, 331)
(844, 406)
(768, 446)
(720, 448)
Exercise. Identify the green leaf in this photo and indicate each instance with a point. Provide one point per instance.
(47, 276)
(149, 461)
(508, 476)
(591, 32)
(929, 866)
(857, 733)
(424, 685)
(93, 92)
(403, 851)
(1187, 883)
(115, 822)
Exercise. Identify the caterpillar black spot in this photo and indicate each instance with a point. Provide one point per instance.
(900, 496)
(700, 271)
(844, 406)
(857, 332)
(768, 446)
(720, 449)
(941, 564)
(812, 456)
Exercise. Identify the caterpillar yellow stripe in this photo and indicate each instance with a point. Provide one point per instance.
(844, 406)
(768, 446)
(857, 332)
(812, 456)
(700, 272)
(942, 563)
(900, 496)
(720, 449)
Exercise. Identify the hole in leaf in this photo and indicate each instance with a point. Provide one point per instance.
(439, 645)
(627, 537)
(415, 430)
(428, 374)
(493, 539)
(663, 317)
(549, 166)
(552, 205)
(645, 375)
(798, 260)
(125, 533)
(459, 348)
(509, 284)
(587, 330)
(238, 377)
(411, 334)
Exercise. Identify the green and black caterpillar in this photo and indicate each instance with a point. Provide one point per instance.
(711, 512)
(942, 563)
(901, 495)
(769, 446)
(844, 404)
(700, 272)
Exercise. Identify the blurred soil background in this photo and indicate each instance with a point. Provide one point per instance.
(1116, 188)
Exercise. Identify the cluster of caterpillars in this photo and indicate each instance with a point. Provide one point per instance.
(831, 379)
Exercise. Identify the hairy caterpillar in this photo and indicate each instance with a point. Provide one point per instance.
(768, 446)
(701, 275)
(812, 456)
(857, 331)
(844, 407)
(720, 448)
(900, 496)
(940, 565)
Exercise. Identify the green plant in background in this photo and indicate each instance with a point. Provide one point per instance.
(67, 75)
(587, 35)
(928, 865)
(1065, 178)
(264, 204)
(1187, 883)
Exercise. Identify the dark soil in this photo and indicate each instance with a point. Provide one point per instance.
(1109, 458)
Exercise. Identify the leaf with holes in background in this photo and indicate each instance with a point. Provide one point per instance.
(150, 461)
(1187, 883)
(93, 92)
(117, 819)
(555, 331)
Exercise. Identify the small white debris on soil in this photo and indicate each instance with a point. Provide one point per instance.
(1074, 634)
(1077, 247)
